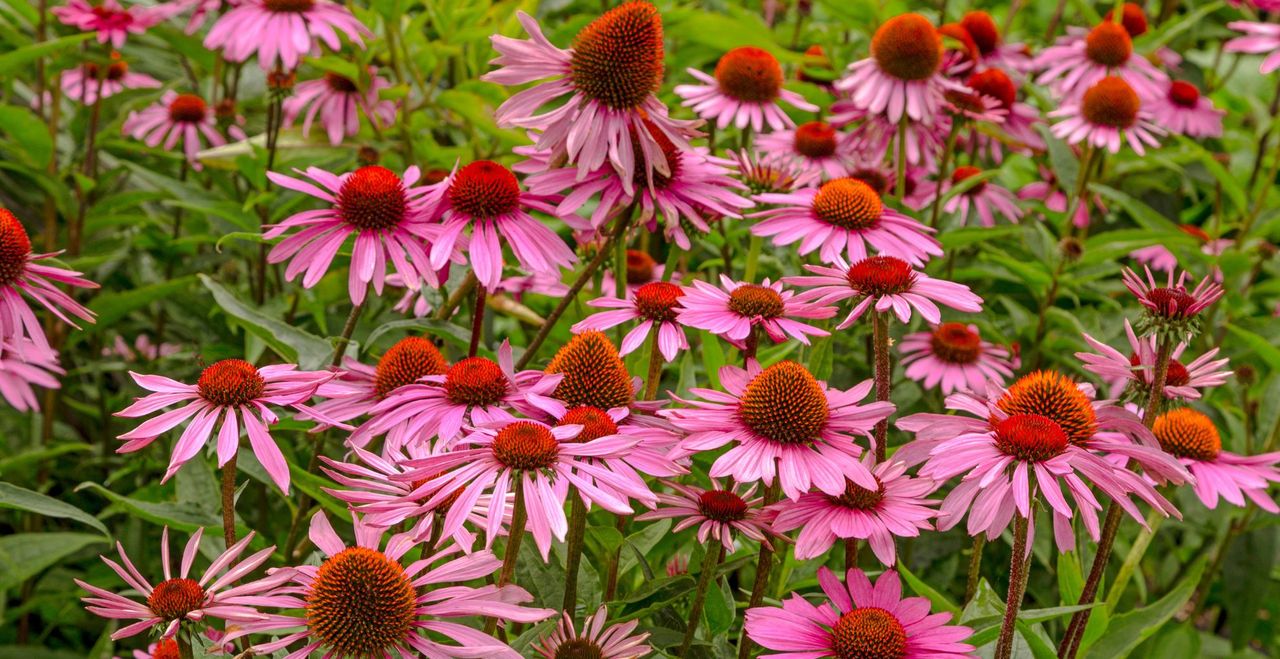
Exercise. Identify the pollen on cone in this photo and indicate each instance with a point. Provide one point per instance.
(594, 374)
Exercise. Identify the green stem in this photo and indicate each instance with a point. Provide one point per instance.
(753, 258)
(705, 577)
(764, 566)
(229, 501)
(654, 376)
(1133, 559)
(573, 549)
(944, 171)
(975, 567)
(477, 322)
(515, 536)
(900, 173)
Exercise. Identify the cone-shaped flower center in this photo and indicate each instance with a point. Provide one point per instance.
(617, 58)
(187, 109)
(1184, 94)
(965, 171)
(175, 598)
(411, 358)
(752, 300)
(640, 267)
(230, 383)
(595, 422)
(361, 603)
(996, 84)
(484, 189)
(1056, 397)
(856, 497)
(955, 343)
(982, 29)
(594, 375)
(475, 381)
(785, 403)
(869, 633)
(749, 74)
(815, 139)
(166, 648)
(289, 6)
(877, 180)
(341, 84)
(1186, 433)
(15, 247)
(1030, 438)
(722, 506)
(658, 300)
(372, 199)
(1175, 376)
(442, 507)
(848, 203)
(1111, 102)
(1108, 44)
(670, 155)
(526, 445)
(907, 47)
(1132, 18)
(579, 648)
(881, 275)
(1172, 302)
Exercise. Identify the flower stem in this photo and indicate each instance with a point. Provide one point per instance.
(515, 535)
(1018, 572)
(614, 563)
(573, 549)
(349, 327)
(1133, 559)
(944, 171)
(477, 322)
(275, 118)
(654, 376)
(850, 554)
(705, 577)
(753, 258)
(975, 567)
(900, 173)
(764, 566)
(457, 296)
(229, 501)
(883, 373)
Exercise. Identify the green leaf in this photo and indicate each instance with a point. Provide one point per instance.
(181, 516)
(23, 460)
(16, 61)
(940, 602)
(1070, 577)
(445, 330)
(644, 540)
(111, 307)
(964, 236)
(720, 608)
(24, 555)
(1230, 184)
(1140, 212)
(19, 498)
(1260, 344)
(27, 131)
(712, 356)
(307, 350)
(1127, 630)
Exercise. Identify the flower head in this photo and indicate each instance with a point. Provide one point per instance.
(596, 640)
(1108, 113)
(719, 512)
(282, 31)
(817, 146)
(1193, 439)
(92, 81)
(903, 75)
(736, 309)
(953, 357)
(1171, 309)
(744, 91)
(1137, 369)
(989, 200)
(771, 171)
(358, 388)
(592, 373)
(1184, 110)
(1258, 38)
(113, 21)
(885, 283)
(185, 117)
(1080, 60)
(655, 305)
(338, 102)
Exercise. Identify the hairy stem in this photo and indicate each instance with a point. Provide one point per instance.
(975, 567)
(229, 501)
(883, 375)
(705, 577)
(1018, 572)
(654, 377)
(514, 538)
(477, 322)
(764, 566)
(573, 549)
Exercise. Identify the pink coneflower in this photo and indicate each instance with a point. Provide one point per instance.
(769, 171)
(903, 75)
(175, 117)
(179, 598)
(282, 30)
(366, 602)
(655, 438)
(875, 139)
(897, 508)
(953, 357)
(992, 51)
(655, 303)
(1019, 121)
(165, 648)
(1055, 199)
(339, 102)
(1041, 433)
(887, 284)
(22, 273)
(23, 366)
(90, 81)
(1108, 114)
(597, 641)
(143, 349)
(610, 77)
(1192, 438)
(987, 199)
(781, 414)
(736, 309)
(486, 197)
(1080, 61)
(1259, 38)
(385, 213)
(536, 461)
(1185, 111)
(823, 152)
(744, 91)
(720, 513)
(860, 620)
(473, 391)
(112, 21)
(1171, 306)
(201, 10)
(641, 269)
(1181, 381)
(357, 387)
(843, 216)
(233, 392)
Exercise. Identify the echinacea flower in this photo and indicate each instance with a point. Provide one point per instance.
(987, 199)
(610, 76)
(1193, 439)
(112, 21)
(860, 620)
(720, 513)
(641, 269)
(655, 437)
(820, 150)
(386, 214)
(363, 601)
(993, 52)
(91, 81)
(653, 304)
(903, 75)
(358, 388)
(1108, 114)
(592, 374)
(1186, 111)
(231, 394)
(771, 171)
(180, 598)
(1260, 38)
(875, 139)
(843, 216)
(886, 284)
(1158, 257)
(785, 424)
(1182, 381)
(1171, 308)
(142, 349)
(338, 102)
(953, 357)
(744, 92)
(596, 640)
(1019, 122)
(736, 309)
(165, 648)
(21, 273)
(897, 508)
(282, 31)
(176, 117)
(486, 198)
(1080, 61)
(1048, 191)
(24, 366)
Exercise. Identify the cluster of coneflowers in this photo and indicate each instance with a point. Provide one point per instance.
(441, 457)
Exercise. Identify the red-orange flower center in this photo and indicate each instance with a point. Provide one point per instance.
(166, 648)
(876, 179)
(955, 343)
(785, 403)
(1186, 433)
(595, 422)
(964, 172)
(753, 300)
(996, 84)
(815, 139)
(1111, 102)
(175, 598)
(881, 275)
(594, 374)
(372, 198)
(1108, 44)
(1172, 302)
(187, 109)
(230, 383)
(1132, 18)
(15, 248)
(289, 6)
(749, 74)
(856, 497)
(848, 203)
(1056, 397)
(484, 189)
(475, 381)
(579, 648)
(1175, 376)
(341, 84)
(1030, 437)
(670, 155)
(640, 267)
(869, 633)
(525, 445)
(907, 47)
(722, 506)
(361, 603)
(1184, 94)
(617, 58)
(405, 362)
(658, 301)
(982, 29)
